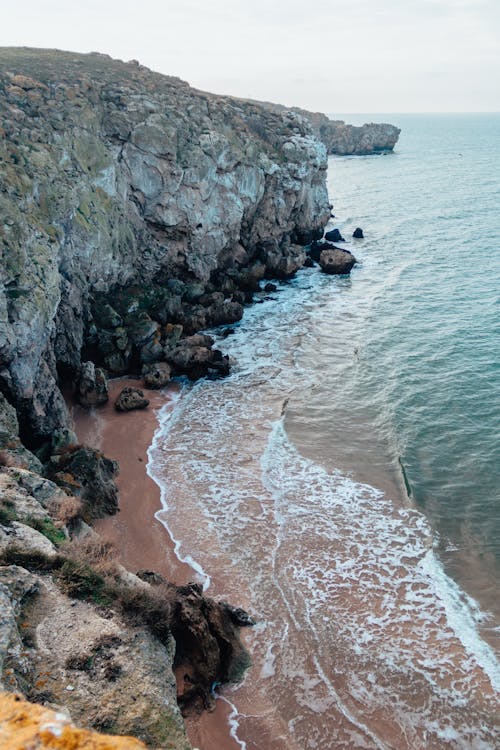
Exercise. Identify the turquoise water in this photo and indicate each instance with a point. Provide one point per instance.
(427, 332)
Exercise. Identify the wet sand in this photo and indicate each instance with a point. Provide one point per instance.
(142, 542)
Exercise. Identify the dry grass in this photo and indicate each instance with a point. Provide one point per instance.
(87, 569)
(66, 510)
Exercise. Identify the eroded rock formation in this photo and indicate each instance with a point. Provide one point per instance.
(117, 178)
(24, 724)
(344, 139)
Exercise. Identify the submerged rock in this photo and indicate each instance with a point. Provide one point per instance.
(358, 233)
(336, 261)
(130, 399)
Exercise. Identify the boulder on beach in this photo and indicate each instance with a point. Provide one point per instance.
(336, 261)
(91, 385)
(131, 398)
(156, 375)
(334, 236)
(358, 233)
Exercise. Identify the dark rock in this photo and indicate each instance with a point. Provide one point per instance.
(336, 261)
(358, 233)
(156, 375)
(317, 248)
(208, 648)
(270, 287)
(91, 385)
(306, 236)
(282, 260)
(227, 332)
(88, 474)
(334, 236)
(240, 618)
(12, 450)
(130, 399)
(62, 439)
(309, 262)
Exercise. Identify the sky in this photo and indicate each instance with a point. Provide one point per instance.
(335, 56)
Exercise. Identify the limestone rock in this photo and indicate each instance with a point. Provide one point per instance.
(156, 375)
(130, 399)
(336, 261)
(139, 180)
(13, 452)
(91, 385)
(24, 724)
(88, 474)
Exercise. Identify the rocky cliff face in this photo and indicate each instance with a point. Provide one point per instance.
(343, 139)
(360, 140)
(115, 179)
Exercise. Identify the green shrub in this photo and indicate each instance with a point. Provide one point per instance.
(46, 527)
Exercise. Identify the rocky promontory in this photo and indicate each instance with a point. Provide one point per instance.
(344, 139)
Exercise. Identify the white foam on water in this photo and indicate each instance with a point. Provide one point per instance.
(373, 572)
(233, 722)
(166, 417)
(324, 561)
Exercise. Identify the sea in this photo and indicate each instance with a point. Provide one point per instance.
(343, 483)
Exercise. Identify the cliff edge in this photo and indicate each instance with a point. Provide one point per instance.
(344, 139)
(118, 179)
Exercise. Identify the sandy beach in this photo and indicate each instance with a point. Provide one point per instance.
(142, 542)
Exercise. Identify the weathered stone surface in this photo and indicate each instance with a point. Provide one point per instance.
(341, 138)
(106, 673)
(91, 385)
(336, 261)
(156, 375)
(89, 475)
(12, 451)
(114, 176)
(209, 649)
(130, 399)
(24, 724)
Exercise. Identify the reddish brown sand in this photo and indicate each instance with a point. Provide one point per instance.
(142, 542)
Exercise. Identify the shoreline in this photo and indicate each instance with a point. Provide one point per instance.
(141, 540)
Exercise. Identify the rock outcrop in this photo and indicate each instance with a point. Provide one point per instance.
(27, 725)
(360, 140)
(344, 139)
(336, 261)
(128, 201)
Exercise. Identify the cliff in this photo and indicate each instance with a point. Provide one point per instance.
(343, 139)
(135, 211)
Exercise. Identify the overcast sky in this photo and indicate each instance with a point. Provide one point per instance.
(328, 55)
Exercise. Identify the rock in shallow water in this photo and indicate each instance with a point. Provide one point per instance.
(336, 261)
(334, 236)
(358, 233)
